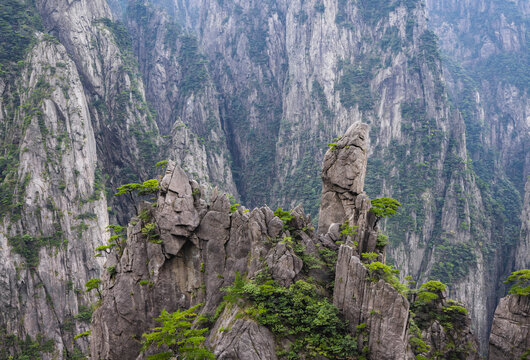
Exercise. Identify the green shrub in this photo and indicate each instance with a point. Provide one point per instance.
(347, 230)
(521, 282)
(284, 216)
(151, 232)
(369, 255)
(433, 285)
(84, 313)
(296, 312)
(382, 240)
(384, 207)
(177, 334)
(93, 284)
(378, 270)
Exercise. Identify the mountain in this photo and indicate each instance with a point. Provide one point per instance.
(248, 96)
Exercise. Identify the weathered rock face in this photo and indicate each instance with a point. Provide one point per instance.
(294, 74)
(197, 251)
(343, 173)
(47, 240)
(198, 247)
(377, 304)
(486, 47)
(510, 330)
(180, 89)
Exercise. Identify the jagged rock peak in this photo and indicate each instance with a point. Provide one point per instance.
(343, 173)
(192, 252)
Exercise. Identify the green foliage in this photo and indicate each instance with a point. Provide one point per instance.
(119, 32)
(382, 240)
(297, 312)
(429, 305)
(430, 291)
(369, 255)
(521, 282)
(84, 313)
(117, 241)
(194, 65)
(454, 262)
(161, 163)
(354, 86)
(433, 285)
(111, 270)
(14, 348)
(317, 92)
(384, 207)
(284, 216)
(347, 230)
(83, 334)
(429, 49)
(151, 232)
(18, 22)
(150, 186)
(29, 247)
(304, 182)
(177, 334)
(93, 284)
(426, 297)
(418, 345)
(508, 67)
(233, 203)
(378, 270)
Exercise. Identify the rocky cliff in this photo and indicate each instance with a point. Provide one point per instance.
(486, 58)
(198, 251)
(510, 331)
(75, 124)
(292, 75)
(247, 96)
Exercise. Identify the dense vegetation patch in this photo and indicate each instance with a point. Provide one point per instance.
(354, 86)
(14, 348)
(454, 262)
(299, 312)
(520, 281)
(29, 246)
(177, 335)
(428, 304)
(18, 22)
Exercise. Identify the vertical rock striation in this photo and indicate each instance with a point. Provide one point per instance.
(47, 240)
(510, 331)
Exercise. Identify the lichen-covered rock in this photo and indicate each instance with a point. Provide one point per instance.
(510, 331)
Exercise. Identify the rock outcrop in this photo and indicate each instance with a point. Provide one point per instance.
(379, 306)
(56, 212)
(183, 250)
(196, 251)
(510, 331)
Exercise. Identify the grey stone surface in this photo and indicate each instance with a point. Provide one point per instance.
(510, 331)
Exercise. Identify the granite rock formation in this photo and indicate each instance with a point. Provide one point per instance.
(199, 246)
(510, 331)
